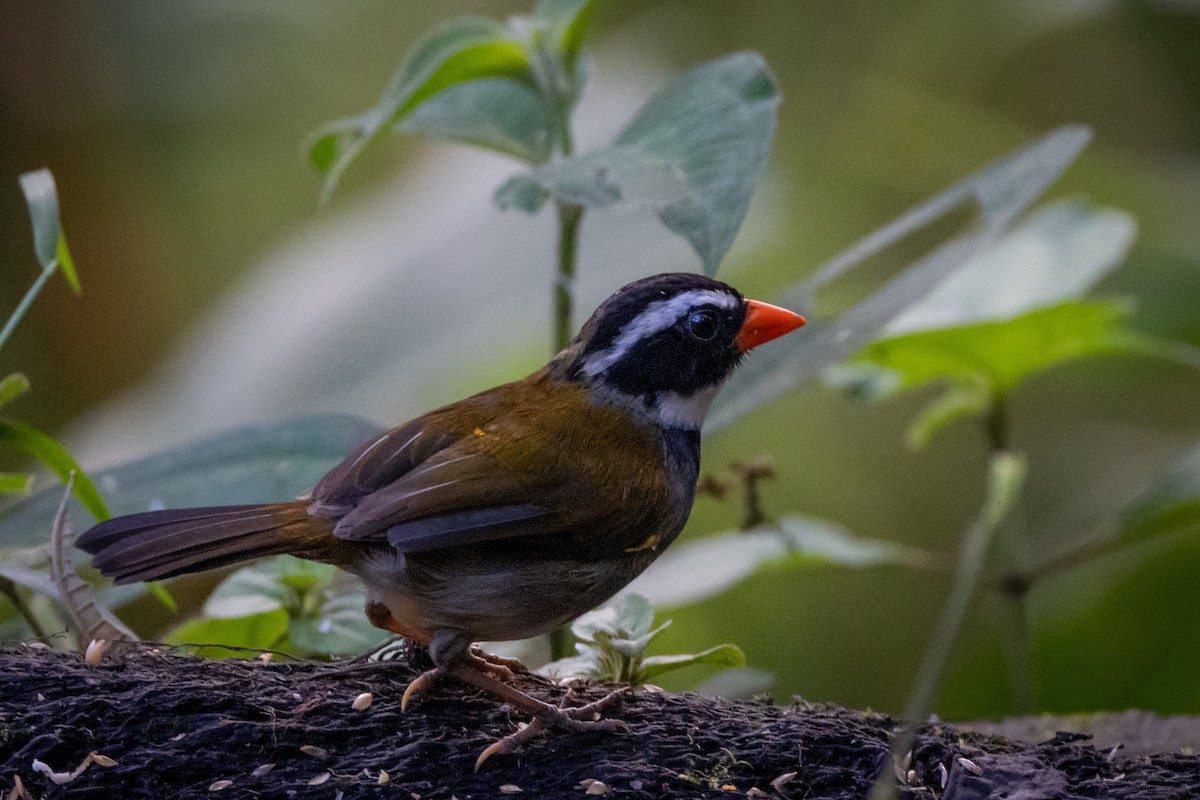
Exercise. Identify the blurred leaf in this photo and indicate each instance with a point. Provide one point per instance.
(324, 607)
(15, 483)
(12, 387)
(1172, 506)
(49, 242)
(737, 683)
(1056, 254)
(460, 50)
(21, 567)
(984, 362)
(56, 457)
(252, 464)
(723, 655)
(1002, 191)
(693, 571)
(91, 620)
(250, 590)
(339, 627)
(258, 631)
(964, 400)
(693, 153)
(566, 21)
(495, 113)
(1002, 354)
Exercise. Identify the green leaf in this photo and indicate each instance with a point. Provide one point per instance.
(49, 242)
(259, 631)
(966, 399)
(15, 483)
(693, 571)
(461, 50)
(1171, 506)
(12, 387)
(566, 21)
(693, 154)
(494, 113)
(251, 464)
(250, 590)
(999, 355)
(339, 627)
(999, 192)
(55, 456)
(723, 655)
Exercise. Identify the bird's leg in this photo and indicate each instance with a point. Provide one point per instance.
(452, 653)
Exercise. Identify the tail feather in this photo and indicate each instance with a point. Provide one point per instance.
(160, 544)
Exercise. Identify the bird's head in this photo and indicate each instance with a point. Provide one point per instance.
(663, 345)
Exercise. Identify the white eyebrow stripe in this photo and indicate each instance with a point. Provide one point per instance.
(658, 316)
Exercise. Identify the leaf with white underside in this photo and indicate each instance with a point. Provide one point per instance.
(693, 571)
(999, 192)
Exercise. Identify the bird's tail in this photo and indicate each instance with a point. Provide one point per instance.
(159, 544)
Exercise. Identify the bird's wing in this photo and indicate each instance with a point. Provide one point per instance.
(458, 496)
(379, 462)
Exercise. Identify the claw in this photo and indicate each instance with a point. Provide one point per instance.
(419, 684)
(510, 743)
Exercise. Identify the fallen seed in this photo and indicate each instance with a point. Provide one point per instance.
(943, 775)
(384, 777)
(317, 780)
(103, 761)
(265, 657)
(598, 787)
(314, 751)
(95, 652)
(261, 770)
(217, 786)
(757, 792)
(510, 788)
(969, 765)
(363, 701)
(782, 780)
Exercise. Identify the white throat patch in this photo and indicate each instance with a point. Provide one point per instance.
(658, 316)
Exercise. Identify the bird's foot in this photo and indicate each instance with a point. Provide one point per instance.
(420, 684)
(546, 716)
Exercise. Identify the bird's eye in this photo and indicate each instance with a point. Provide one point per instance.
(703, 324)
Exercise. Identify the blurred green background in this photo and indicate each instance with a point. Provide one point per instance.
(215, 292)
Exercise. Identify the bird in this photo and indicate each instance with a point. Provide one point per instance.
(510, 512)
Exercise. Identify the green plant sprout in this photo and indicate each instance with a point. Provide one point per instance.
(284, 603)
(612, 642)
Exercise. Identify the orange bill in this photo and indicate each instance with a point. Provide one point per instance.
(765, 322)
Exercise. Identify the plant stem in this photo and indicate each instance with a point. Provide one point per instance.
(26, 301)
(1006, 475)
(569, 217)
(1014, 587)
(9, 589)
(557, 87)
